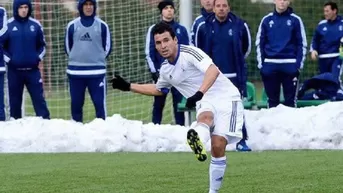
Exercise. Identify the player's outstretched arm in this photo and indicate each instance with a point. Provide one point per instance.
(146, 89)
(210, 77)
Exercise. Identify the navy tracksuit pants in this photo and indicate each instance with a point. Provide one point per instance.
(159, 102)
(234, 80)
(2, 100)
(97, 90)
(276, 75)
(31, 78)
(332, 65)
(327, 65)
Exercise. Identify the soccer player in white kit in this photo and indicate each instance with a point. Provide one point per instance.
(218, 104)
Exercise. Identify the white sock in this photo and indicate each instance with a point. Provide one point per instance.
(212, 191)
(203, 130)
(217, 171)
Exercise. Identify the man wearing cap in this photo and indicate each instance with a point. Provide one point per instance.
(154, 60)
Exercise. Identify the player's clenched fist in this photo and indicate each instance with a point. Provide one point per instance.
(191, 101)
(119, 83)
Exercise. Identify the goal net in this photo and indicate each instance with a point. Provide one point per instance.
(129, 21)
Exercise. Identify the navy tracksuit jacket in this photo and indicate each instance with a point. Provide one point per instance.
(24, 48)
(154, 60)
(198, 29)
(281, 48)
(3, 30)
(326, 41)
(228, 43)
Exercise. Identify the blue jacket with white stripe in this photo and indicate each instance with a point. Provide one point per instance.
(228, 43)
(326, 38)
(24, 45)
(281, 38)
(153, 58)
(3, 30)
(198, 29)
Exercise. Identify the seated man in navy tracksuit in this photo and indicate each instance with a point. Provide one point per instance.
(324, 86)
(327, 85)
(24, 48)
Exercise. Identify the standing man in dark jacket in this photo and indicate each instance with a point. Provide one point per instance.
(326, 39)
(3, 30)
(87, 43)
(228, 42)
(281, 50)
(154, 60)
(24, 48)
(198, 28)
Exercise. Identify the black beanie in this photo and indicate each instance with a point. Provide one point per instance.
(165, 3)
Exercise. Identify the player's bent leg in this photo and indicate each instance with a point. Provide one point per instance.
(196, 145)
(198, 132)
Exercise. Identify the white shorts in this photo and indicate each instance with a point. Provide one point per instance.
(228, 118)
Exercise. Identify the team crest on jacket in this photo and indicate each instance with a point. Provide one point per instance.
(271, 23)
(340, 28)
(178, 31)
(289, 22)
(32, 28)
(230, 32)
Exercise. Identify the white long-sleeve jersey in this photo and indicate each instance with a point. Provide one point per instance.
(187, 73)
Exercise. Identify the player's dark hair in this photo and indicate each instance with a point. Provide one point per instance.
(162, 27)
(332, 5)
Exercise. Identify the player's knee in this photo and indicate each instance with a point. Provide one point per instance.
(206, 118)
(218, 144)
